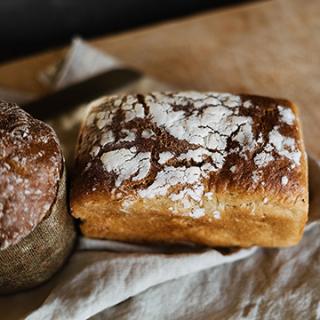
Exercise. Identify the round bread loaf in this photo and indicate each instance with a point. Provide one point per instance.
(36, 231)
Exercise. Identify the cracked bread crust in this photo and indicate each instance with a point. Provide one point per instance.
(210, 168)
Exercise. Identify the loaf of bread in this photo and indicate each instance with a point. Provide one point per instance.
(36, 231)
(206, 168)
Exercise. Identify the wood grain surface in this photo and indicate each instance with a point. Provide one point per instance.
(268, 48)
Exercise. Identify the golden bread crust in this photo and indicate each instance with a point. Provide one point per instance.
(214, 169)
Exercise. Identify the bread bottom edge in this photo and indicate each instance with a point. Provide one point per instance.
(280, 231)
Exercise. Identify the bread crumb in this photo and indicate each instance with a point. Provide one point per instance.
(197, 213)
(209, 195)
(248, 104)
(233, 169)
(284, 180)
(217, 214)
(165, 156)
(286, 115)
(94, 151)
(147, 133)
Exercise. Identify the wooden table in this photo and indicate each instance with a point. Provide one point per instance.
(269, 48)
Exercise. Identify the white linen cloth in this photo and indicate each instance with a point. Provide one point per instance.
(111, 280)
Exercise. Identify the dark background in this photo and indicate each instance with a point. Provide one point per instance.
(28, 26)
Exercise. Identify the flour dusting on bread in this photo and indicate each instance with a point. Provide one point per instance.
(183, 145)
(30, 170)
(127, 163)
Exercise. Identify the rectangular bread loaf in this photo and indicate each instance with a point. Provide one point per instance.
(207, 168)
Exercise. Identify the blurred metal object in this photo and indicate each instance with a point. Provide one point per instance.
(72, 96)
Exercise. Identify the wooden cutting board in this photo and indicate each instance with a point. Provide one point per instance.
(268, 48)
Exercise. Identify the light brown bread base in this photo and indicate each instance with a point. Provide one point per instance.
(268, 226)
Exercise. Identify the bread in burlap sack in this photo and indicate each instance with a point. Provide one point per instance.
(36, 231)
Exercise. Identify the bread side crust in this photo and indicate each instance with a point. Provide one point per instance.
(244, 221)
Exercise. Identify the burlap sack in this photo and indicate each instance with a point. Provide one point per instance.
(38, 256)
